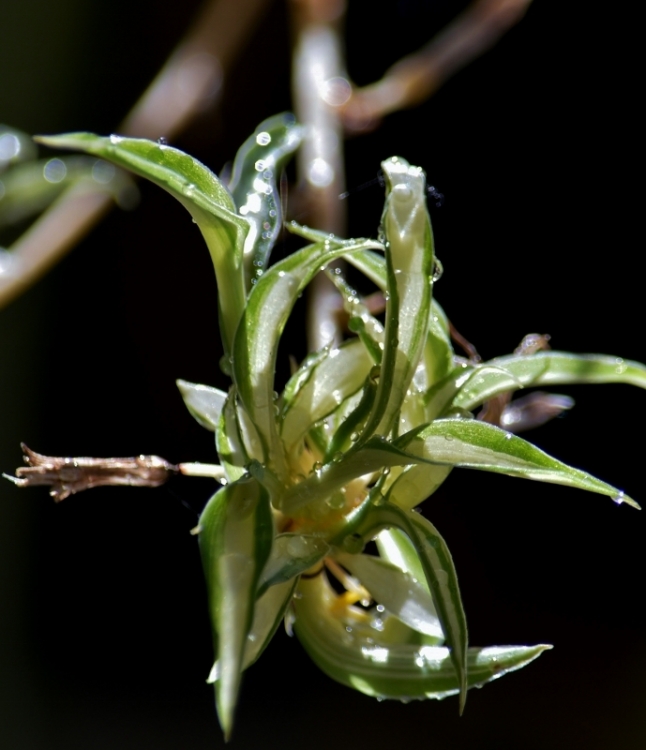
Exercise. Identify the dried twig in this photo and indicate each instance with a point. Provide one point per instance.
(66, 476)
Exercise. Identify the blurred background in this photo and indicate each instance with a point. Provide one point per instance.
(104, 636)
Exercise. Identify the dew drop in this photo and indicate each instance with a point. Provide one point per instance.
(263, 139)
(115, 139)
(448, 437)
(162, 141)
(438, 270)
(618, 498)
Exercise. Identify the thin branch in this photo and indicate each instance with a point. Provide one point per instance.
(320, 86)
(416, 77)
(188, 82)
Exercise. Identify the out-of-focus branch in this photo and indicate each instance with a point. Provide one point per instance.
(320, 87)
(416, 77)
(187, 83)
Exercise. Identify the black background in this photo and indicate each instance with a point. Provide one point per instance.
(104, 637)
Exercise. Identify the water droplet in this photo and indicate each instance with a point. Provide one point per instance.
(448, 437)
(263, 139)
(380, 608)
(348, 629)
(336, 501)
(338, 456)
(508, 436)
(354, 437)
(619, 498)
(55, 171)
(273, 213)
(438, 270)
(621, 366)
(380, 698)
(162, 141)
(115, 139)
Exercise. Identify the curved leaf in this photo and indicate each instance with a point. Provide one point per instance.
(335, 376)
(478, 445)
(545, 368)
(440, 575)
(402, 671)
(269, 305)
(409, 262)
(204, 403)
(400, 593)
(199, 191)
(235, 538)
(256, 168)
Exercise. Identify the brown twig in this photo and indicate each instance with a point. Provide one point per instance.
(416, 77)
(66, 476)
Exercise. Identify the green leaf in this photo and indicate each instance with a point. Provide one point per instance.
(440, 575)
(400, 593)
(409, 263)
(417, 483)
(269, 611)
(229, 442)
(199, 191)
(270, 304)
(403, 671)
(253, 185)
(291, 555)
(235, 538)
(337, 374)
(203, 402)
(506, 374)
(478, 445)
(361, 322)
(30, 187)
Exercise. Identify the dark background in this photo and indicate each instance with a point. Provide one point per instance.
(104, 638)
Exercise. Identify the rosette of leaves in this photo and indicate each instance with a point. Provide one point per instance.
(361, 434)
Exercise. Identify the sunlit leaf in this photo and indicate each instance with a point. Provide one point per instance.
(270, 303)
(478, 445)
(235, 537)
(440, 574)
(546, 368)
(204, 403)
(409, 263)
(199, 191)
(253, 185)
(402, 671)
(400, 593)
